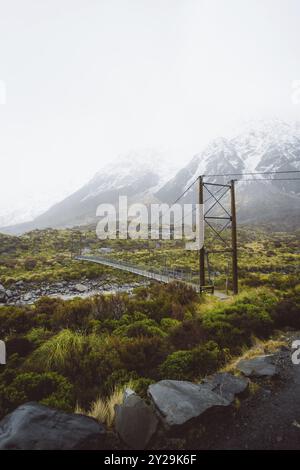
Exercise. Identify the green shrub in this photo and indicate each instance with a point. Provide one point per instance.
(48, 305)
(287, 311)
(19, 345)
(192, 364)
(48, 388)
(30, 264)
(142, 355)
(38, 335)
(168, 324)
(140, 386)
(73, 314)
(188, 334)
(232, 325)
(143, 327)
(16, 320)
(109, 307)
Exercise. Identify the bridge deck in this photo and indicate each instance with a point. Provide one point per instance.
(165, 278)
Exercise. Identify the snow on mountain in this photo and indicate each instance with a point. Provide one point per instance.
(127, 169)
(269, 146)
(262, 146)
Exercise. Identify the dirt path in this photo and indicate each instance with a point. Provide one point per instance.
(269, 419)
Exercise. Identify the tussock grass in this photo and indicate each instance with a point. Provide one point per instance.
(103, 410)
(59, 349)
(63, 350)
(259, 348)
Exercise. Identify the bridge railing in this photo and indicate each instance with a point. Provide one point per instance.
(163, 274)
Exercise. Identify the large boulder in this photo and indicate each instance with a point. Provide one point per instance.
(227, 385)
(135, 421)
(180, 401)
(37, 427)
(258, 366)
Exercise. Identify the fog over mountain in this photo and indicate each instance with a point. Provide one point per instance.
(151, 177)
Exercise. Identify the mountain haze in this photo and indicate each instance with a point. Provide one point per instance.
(262, 147)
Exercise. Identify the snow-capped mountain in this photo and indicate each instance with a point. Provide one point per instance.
(263, 147)
(151, 177)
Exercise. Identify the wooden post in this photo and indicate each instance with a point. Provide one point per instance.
(234, 241)
(201, 250)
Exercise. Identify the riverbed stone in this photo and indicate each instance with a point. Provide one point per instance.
(80, 288)
(258, 366)
(28, 296)
(180, 401)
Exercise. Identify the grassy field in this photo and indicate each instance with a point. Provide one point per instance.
(265, 259)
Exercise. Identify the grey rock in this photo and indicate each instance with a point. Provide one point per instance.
(135, 422)
(180, 401)
(80, 288)
(37, 427)
(127, 393)
(27, 297)
(227, 385)
(9, 293)
(3, 296)
(284, 348)
(258, 366)
(59, 285)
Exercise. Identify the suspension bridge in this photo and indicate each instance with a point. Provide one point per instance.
(219, 215)
(215, 193)
(164, 276)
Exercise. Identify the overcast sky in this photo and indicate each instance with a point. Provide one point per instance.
(87, 80)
